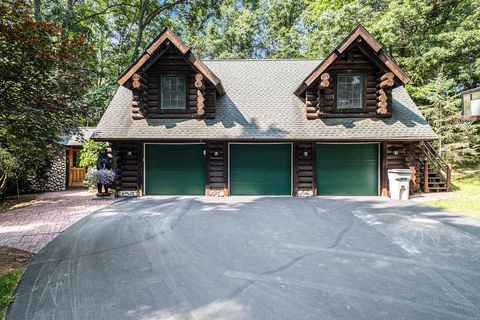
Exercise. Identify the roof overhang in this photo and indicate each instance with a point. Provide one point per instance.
(154, 49)
(267, 139)
(358, 33)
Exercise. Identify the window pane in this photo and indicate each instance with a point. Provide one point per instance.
(76, 159)
(173, 92)
(349, 91)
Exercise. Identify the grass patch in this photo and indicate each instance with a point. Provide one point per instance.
(12, 266)
(8, 282)
(466, 188)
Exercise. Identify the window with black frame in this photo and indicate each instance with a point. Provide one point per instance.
(173, 91)
(349, 91)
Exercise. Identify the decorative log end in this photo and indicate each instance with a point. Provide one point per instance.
(382, 111)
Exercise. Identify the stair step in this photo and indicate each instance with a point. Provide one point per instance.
(437, 188)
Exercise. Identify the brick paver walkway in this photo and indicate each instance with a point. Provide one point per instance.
(32, 227)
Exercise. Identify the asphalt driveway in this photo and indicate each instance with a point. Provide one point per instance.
(257, 258)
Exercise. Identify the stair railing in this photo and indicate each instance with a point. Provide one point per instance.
(433, 158)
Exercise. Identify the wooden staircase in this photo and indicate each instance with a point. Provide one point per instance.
(435, 173)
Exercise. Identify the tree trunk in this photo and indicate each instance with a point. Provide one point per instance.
(69, 6)
(37, 8)
(140, 28)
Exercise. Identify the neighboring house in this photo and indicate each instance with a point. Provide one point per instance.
(471, 104)
(177, 125)
(64, 170)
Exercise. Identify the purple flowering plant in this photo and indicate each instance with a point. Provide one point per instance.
(102, 176)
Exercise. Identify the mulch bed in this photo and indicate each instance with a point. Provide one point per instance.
(13, 259)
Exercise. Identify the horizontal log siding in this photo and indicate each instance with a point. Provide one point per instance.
(304, 169)
(172, 63)
(129, 169)
(217, 169)
(408, 157)
(324, 101)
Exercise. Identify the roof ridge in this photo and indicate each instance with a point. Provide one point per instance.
(263, 59)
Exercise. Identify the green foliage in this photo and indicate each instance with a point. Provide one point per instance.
(441, 106)
(430, 40)
(89, 153)
(8, 165)
(44, 73)
(8, 283)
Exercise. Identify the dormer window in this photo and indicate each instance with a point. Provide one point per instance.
(173, 92)
(349, 91)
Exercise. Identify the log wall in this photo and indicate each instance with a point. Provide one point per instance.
(217, 169)
(171, 62)
(304, 161)
(401, 155)
(320, 97)
(129, 168)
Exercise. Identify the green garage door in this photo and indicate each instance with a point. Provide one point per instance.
(347, 169)
(174, 169)
(260, 169)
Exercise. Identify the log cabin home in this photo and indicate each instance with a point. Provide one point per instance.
(181, 126)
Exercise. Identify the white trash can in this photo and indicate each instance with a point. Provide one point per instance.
(399, 183)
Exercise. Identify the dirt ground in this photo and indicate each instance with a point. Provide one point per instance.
(12, 259)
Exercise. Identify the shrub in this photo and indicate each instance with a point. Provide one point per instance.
(89, 153)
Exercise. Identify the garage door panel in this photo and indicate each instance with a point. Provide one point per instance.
(347, 169)
(174, 169)
(260, 169)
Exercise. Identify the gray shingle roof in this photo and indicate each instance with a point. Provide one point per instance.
(260, 104)
(77, 138)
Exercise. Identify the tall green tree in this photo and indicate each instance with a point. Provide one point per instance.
(440, 104)
(282, 31)
(428, 38)
(44, 73)
(233, 32)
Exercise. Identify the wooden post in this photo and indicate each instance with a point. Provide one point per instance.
(449, 177)
(425, 178)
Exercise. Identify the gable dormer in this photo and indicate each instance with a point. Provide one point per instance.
(168, 81)
(355, 80)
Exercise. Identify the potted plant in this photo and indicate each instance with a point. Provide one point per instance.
(102, 177)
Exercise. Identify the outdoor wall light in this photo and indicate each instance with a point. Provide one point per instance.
(395, 151)
(305, 153)
(204, 153)
(215, 153)
(129, 153)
